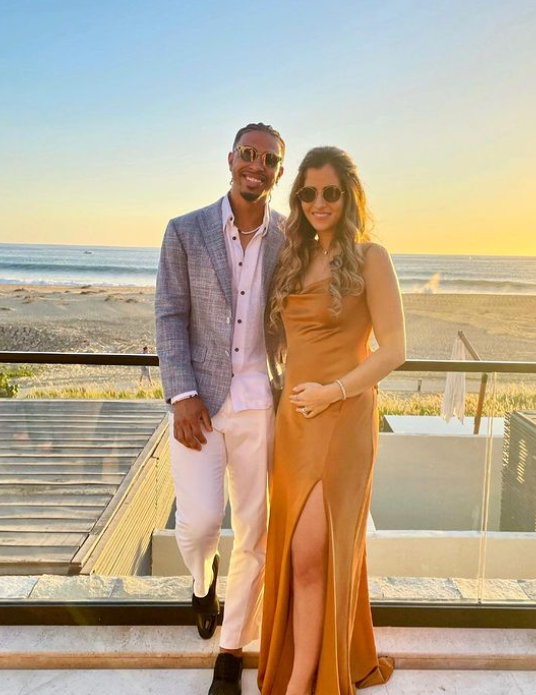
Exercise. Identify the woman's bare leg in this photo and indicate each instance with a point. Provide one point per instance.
(309, 562)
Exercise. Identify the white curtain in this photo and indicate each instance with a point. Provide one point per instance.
(454, 396)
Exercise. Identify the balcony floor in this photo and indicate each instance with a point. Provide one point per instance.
(197, 681)
(54, 660)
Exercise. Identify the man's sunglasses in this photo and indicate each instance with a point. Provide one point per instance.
(250, 154)
(331, 194)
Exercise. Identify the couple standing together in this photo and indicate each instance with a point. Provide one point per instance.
(253, 313)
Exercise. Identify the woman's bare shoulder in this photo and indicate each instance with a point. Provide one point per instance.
(372, 247)
(375, 255)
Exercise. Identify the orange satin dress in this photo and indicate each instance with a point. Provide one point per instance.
(338, 448)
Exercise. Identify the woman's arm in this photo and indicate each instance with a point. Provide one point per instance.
(385, 306)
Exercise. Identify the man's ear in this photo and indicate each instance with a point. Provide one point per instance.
(280, 173)
(230, 159)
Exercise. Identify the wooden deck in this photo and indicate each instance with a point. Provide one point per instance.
(66, 469)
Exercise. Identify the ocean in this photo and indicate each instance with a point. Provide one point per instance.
(43, 264)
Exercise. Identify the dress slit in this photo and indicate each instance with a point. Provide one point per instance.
(284, 622)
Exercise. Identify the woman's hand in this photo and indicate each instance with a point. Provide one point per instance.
(312, 398)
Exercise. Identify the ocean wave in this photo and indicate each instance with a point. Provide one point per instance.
(48, 265)
(76, 283)
(485, 285)
(100, 269)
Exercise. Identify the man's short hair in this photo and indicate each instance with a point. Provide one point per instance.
(265, 129)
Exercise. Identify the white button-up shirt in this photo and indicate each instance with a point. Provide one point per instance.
(250, 385)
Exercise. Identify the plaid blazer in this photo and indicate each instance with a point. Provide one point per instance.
(194, 308)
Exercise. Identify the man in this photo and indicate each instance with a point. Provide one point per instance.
(212, 289)
(145, 372)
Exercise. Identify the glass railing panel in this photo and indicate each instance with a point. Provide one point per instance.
(428, 496)
(509, 544)
(83, 445)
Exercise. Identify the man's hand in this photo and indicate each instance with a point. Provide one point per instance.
(189, 415)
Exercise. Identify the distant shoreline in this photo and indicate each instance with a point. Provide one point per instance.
(51, 265)
(88, 247)
(8, 285)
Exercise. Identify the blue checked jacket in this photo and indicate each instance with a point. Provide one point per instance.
(194, 307)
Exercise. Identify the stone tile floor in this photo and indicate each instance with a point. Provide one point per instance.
(149, 647)
(510, 649)
(196, 682)
(179, 589)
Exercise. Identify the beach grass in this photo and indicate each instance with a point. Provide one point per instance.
(18, 371)
(506, 399)
(97, 393)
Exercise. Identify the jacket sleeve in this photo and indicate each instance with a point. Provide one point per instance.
(172, 314)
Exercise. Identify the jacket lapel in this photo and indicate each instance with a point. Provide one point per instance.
(273, 242)
(212, 229)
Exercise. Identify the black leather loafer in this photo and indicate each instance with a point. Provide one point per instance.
(227, 675)
(207, 608)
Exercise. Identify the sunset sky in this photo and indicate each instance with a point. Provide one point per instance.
(118, 115)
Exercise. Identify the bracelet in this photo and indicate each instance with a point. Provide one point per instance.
(338, 381)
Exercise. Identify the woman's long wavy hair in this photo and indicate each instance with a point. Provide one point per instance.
(302, 242)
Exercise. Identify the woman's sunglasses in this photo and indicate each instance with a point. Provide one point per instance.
(250, 154)
(331, 194)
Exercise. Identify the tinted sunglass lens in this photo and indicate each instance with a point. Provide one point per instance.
(271, 160)
(332, 194)
(307, 195)
(248, 154)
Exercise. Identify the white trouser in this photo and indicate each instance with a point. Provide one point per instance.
(241, 444)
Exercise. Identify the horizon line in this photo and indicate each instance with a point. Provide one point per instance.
(394, 253)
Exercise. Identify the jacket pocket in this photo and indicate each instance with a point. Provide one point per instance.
(198, 352)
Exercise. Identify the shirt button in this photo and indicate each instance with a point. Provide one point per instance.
(234, 238)
(242, 292)
(236, 349)
(240, 263)
(239, 321)
(227, 320)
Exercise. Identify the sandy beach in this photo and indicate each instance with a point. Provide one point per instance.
(120, 319)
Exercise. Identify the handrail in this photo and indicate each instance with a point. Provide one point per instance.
(136, 360)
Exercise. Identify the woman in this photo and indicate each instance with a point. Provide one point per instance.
(332, 288)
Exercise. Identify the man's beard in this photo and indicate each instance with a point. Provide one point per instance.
(252, 197)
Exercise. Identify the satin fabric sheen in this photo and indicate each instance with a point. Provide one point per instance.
(338, 448)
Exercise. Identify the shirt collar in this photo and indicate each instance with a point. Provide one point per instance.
(227, 215)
